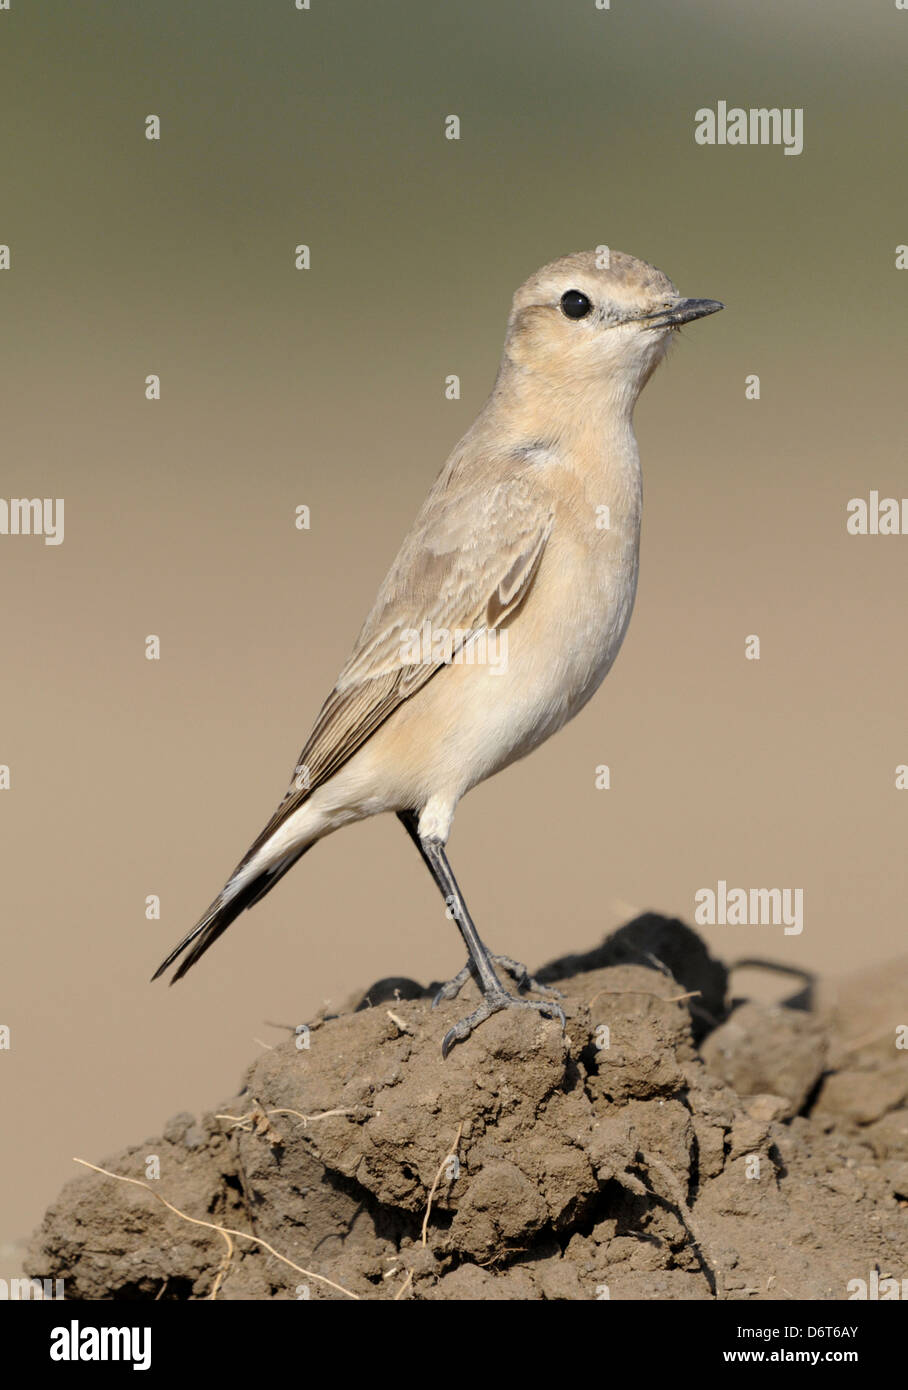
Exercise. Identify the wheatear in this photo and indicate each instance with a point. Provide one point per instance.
(530, 534)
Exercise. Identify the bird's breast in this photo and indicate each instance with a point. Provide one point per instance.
(582, 608)
(549, 657)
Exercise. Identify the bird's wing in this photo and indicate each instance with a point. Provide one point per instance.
(467, 564)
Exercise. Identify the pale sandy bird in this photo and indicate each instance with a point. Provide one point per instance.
(513, 543)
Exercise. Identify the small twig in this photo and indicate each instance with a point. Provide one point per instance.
(404, 1027)
(240, 1121)
(225, 1263)
(648, 994)
(224, 1231)
(434, 1188)
(687, 1216)
(322, 1114)
(404, 1286)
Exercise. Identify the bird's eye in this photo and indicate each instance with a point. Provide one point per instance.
(575, 304)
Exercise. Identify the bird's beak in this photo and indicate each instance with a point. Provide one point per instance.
(682, 311)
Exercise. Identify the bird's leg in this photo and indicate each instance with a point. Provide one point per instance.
(518, 972)
(494, 996)
(515, 968)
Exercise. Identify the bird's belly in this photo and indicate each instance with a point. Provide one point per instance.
(477, 715)
(544, 667)
(570, 649)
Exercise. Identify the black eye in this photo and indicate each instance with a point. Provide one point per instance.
(575, 304)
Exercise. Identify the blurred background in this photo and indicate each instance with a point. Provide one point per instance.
(325, 388)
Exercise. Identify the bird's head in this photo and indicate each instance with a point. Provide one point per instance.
(597, 316)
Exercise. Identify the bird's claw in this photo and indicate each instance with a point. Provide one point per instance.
(522, 977)
(453, 987)
(492, 1004)
(518, 973)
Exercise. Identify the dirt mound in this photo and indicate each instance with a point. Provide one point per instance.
(664, 1147)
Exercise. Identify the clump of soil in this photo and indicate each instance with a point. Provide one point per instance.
(668, 1145)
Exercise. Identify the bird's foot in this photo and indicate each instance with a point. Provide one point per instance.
(523, 979)
(492, 1003)
(518, 973)
(453, 987)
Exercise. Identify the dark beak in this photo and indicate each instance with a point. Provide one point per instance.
(682, 311)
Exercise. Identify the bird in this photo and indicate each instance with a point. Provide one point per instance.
(503, 610)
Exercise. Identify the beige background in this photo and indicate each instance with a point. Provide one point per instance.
(326, 388)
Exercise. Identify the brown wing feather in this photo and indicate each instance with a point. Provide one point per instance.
(447, 573)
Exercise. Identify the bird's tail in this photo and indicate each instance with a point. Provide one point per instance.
(243, 889)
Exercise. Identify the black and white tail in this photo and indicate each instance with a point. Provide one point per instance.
(246, 887)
